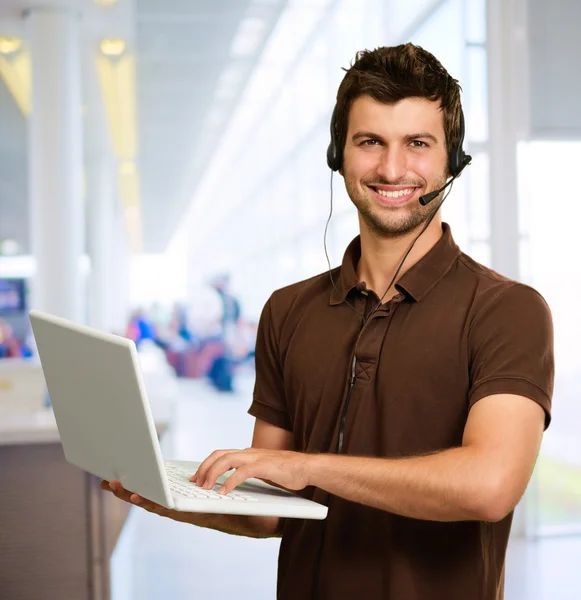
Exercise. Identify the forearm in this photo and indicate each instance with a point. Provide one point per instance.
(452, 485)
(242, 525)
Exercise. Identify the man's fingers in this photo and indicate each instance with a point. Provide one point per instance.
(201, 474)
(120, 492)
(114, 487)
(239, 476)
(198, 476)
(218, 468)
(137, 500)
(232, 460)
(144, 503)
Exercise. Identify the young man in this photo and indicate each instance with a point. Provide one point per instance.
(416, 413)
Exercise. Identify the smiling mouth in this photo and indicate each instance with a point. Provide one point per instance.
(393, 197)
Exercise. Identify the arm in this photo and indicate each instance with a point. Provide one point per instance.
(266, 437)
(482, 480)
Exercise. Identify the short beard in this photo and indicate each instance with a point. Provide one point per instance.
(386, 226)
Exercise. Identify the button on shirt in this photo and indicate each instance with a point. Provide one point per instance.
(455, 333)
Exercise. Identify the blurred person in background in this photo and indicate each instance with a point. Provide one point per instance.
(221, 373)
(180, 326)
(10, 345)
(140, 327)
(407, 389)
(230, 304)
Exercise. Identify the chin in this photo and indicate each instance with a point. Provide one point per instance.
(406, 223)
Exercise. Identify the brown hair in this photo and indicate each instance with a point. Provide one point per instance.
(392, 73)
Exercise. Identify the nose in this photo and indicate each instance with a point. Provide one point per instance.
(393, 164)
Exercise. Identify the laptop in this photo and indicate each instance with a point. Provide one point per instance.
(106, 427)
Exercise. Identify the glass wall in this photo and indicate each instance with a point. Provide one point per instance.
(260, 212)
(550, 218)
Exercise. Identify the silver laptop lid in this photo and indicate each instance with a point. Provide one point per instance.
(100, 404)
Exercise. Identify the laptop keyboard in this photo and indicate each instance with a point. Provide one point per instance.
(179, 482)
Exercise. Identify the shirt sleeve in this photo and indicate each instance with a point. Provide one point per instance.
(268, 399)
(511, 348)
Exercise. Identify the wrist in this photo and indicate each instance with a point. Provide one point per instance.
(315, 465)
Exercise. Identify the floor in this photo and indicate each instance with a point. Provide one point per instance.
(157, 558)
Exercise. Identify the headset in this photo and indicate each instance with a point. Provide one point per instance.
(458, 160)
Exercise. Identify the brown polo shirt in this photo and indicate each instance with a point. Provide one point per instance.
(455, 333)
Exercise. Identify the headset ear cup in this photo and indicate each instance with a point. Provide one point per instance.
(457, 157)
(452, 163)
(333, 154)
(332, 157)
(456, 161)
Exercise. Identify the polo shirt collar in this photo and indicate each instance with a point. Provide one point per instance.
(415, 283)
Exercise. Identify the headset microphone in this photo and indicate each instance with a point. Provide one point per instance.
(427, 198)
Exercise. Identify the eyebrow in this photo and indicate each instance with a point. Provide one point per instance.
(409, 138)
(421, 136)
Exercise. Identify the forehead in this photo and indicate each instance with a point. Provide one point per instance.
(410, 115)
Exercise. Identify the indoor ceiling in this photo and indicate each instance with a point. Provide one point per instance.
(194, 58)
(188, 86)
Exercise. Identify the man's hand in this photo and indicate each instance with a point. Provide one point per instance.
(123, 494)
(265, 436)
(280, 467)
(249, 526)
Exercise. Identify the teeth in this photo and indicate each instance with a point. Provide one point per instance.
(397, 194)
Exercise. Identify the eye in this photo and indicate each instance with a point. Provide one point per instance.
(371, 142)
(419, 144)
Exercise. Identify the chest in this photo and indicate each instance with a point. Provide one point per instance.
(400, 383)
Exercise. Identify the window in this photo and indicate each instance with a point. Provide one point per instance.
(551, 222)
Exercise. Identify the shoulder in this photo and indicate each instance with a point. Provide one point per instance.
(499, 297)
(485, 279)
(295, 297)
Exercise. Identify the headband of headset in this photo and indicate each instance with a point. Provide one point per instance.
(457, 158)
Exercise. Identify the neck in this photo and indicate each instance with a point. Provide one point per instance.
(381, 256)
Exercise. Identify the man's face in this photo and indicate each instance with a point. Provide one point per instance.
(394, 153)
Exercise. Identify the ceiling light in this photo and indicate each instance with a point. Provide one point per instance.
(127, 167)
(9, 45)
(106, 3)
(112, 47)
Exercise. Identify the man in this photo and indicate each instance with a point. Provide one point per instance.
(416, 417)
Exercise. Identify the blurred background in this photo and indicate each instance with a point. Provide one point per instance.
(162, 171)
